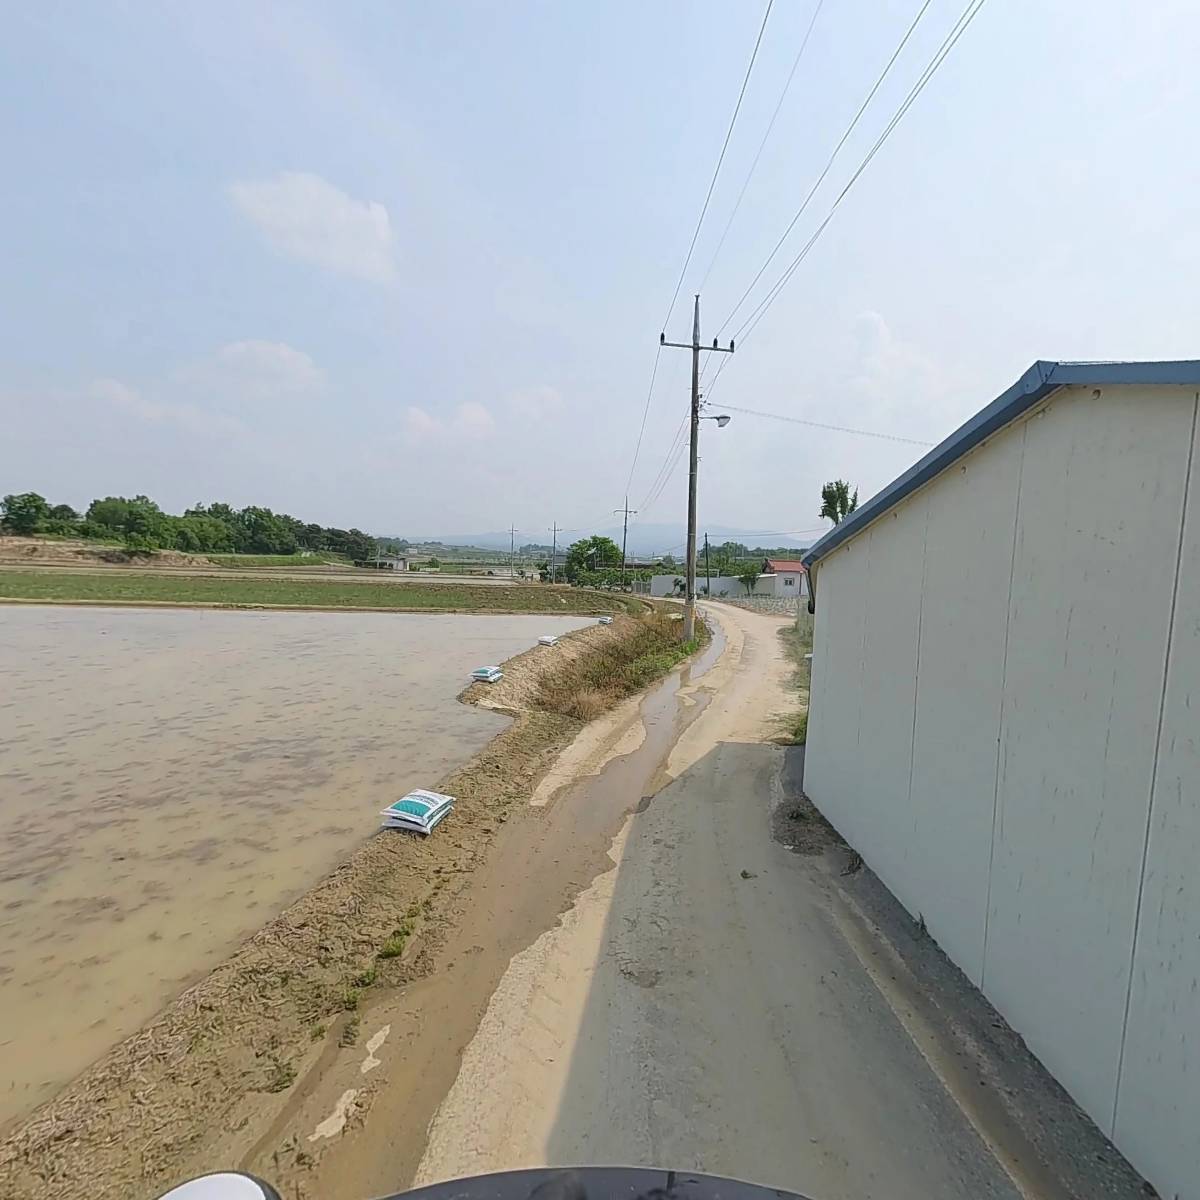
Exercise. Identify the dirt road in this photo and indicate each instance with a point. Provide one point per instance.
(710, 996)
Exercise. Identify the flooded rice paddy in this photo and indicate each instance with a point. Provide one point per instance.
(169, 780)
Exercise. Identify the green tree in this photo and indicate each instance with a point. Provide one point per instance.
(138, 543)
(265, 532)
(590, 554)
(837, 501)
(24, 512)
(199, 533)
(311, 537)
(362, 545)
(109, 514)
(225, 514)
(63, 519)
(748, 578)
(147, 527)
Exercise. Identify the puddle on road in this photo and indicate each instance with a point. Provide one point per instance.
(631, 780)
(542, 859)
(169, 780)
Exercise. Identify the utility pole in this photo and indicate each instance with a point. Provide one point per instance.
(707, 571)
(512, 552)
(689, 604)
(624, 536)
(554, 555)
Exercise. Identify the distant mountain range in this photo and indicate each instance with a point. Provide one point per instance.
(643, 539)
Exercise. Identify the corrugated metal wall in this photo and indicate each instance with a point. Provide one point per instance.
(1006, 724)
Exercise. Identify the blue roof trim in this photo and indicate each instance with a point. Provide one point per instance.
(1034, 386)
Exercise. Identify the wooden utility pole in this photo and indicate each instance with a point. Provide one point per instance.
(689, 604)
(512, 552)
(707, 571)
(624, 536)
(554, 554)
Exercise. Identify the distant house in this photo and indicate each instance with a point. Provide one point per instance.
(383, 562)
(789, 576)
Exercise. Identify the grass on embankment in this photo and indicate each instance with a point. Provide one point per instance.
(597, 680)
(120, 587)
(279, 560)
(797, 641)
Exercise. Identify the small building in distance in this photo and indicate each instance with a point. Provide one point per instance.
(383, 562)
(789, 576)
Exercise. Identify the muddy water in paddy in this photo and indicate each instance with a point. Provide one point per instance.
(171, 779)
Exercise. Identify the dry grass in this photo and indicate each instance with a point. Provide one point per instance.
(797, 642)
(647, 648)
(587, 703)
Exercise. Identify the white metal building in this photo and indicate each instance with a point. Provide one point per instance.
(1005, 723)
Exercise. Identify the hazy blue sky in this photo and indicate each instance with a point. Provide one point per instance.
(404, 265)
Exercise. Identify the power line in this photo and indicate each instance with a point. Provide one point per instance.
(589, 526)
(825, 171)
(651, 492)
(666, 479)
(668, 464)
(960, 27)
(645, 413)
(687, 261)
(712, 383)
(720, 159)
(957, 30)
(762, 144)
(890, 437)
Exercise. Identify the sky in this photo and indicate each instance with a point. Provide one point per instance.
(404, 266)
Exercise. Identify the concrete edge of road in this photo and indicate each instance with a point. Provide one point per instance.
(237, 606)
(1048, 1145)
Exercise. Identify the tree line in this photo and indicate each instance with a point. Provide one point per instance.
(140, 525)
(596, 562)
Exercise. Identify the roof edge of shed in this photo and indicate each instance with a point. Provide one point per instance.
(1034, 386)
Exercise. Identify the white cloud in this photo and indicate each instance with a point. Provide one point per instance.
(186, 416)
(248, 376)
(470, 420)
(274, 363)
(304, 216)
(536, 403)
(473, 420)
(244, 377)
(419, 423)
